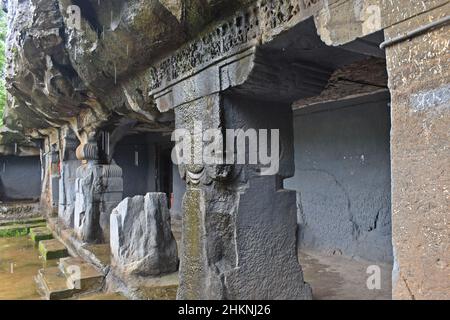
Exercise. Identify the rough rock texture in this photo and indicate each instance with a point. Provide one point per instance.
(418, 80)
(98, 190)
(68, 168)
(57, 69)
(342, 171)
(90, 78)
(232, 218)
(20, 178)
(141, 241)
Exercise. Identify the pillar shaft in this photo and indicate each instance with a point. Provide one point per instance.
(239, 227)
(99, 189)
(420, 91)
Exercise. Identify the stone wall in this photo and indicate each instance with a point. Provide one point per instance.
(136, 157)
(342, 163)
(179, 188)
(419, 76)
(20, 178)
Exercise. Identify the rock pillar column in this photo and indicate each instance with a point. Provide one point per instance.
(54, 176)
(418, 80)
(239, 226)
(99, 189)
(68, 168)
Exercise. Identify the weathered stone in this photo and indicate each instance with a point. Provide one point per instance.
(68, 167)
(98, 191)
(141, 239)
(40, 233)
(80, 275)
(52, 284)
(52, 249)
(18, 229)
(419, 76)
(232, 217)
(120, 72)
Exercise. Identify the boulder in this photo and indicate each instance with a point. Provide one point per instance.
(141, 240)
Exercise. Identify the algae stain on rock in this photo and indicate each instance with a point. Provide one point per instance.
(192, 243)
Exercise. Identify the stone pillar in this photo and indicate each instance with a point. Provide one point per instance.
(99, 189)
(68, 168)
(239, 227)
(418, 79)
(54, 178)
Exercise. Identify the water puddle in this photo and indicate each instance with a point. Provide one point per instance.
(19, 264)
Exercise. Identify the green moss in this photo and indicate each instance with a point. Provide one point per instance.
(192, 241)
(52, 249)
(38, 220)
(41, 233)
(13, 232)
(17, 230)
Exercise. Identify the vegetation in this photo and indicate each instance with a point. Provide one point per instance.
(3, 30)
(13, 232)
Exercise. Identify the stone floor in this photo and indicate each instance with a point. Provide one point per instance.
(331, 277)
(336, 277)
(19, 264)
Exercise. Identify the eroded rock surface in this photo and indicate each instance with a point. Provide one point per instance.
(62, 62)
(142, 242)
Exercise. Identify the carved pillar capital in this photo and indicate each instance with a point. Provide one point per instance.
(88, 151)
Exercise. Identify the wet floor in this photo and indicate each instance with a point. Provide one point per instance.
(337, 277)
(331, 277)
(19, 264)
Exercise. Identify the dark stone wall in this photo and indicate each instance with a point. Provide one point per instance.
(153, 152)
(138, 176)
(179, 188)
(342, 160)
(20, 178)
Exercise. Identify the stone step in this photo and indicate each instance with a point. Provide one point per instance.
(52, 284)
(52, 249)
(70, 278)
(17, 230)
(80, 274)
(40, 233)
(159, 288)
(36, 220)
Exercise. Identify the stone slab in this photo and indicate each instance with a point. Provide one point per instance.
(40, 233)
(53, 284)
(52, 249)
(80, 274)
(37, 220)
(160, 288)
(15, 230)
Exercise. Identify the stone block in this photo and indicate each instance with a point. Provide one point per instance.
(52, 249)
(142, 242)
(40, 233)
